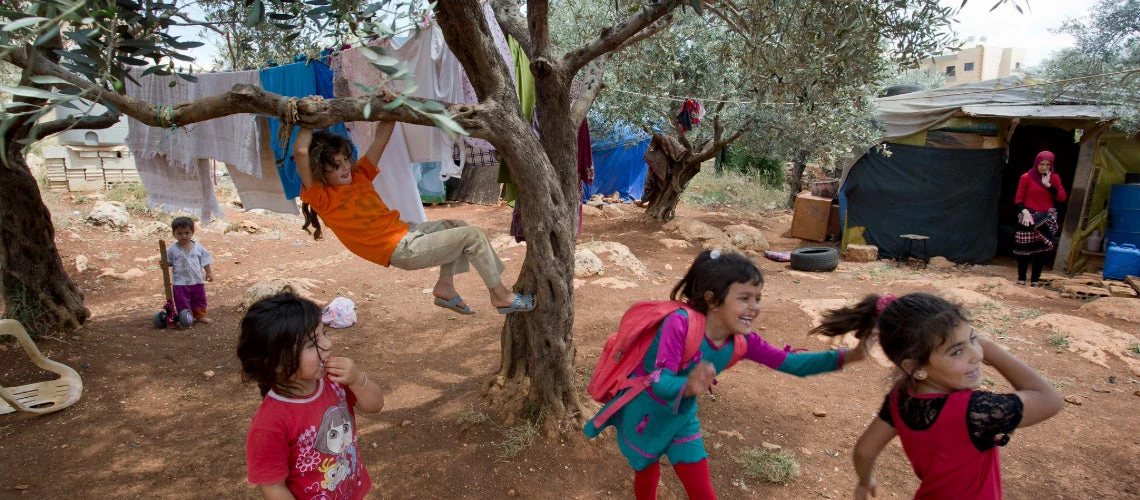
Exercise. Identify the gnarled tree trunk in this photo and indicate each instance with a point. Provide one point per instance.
(37, 290)
(796, 177)
(671, 167)
(537, 367)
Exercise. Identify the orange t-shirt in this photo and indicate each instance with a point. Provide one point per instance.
(357, 215)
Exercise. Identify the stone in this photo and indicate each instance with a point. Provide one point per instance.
(512, 493)
(746, 237)
(592, 211)
(209, 374)
(268, 288)
(819, 413)
(586, 263)
(615, 283)
(503, 242)
(127, 275)
(672, 244)
(942, 263)
(770, 446)
(1073, 400)
(1122, 291)
(694, 230)
(806, 452)
(861, 253)
(733, 434)
(250, 226)
(112, 214)
(1090, 340)
(619, 255)
(719, 244)
(81, 263)
(613, 210)
(405, 423)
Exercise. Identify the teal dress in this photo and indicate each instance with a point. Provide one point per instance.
(661, 421)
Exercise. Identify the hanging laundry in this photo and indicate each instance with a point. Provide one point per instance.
(692, 111)
(438, 76)
(231, 139)
(174, 189)
(169, 159)
(296, 80)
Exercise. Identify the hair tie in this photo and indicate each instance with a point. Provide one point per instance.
(715, 254)
(882, 303)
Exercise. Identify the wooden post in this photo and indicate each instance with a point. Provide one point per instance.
(1080, 192)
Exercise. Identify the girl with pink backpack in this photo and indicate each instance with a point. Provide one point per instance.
(668, 353)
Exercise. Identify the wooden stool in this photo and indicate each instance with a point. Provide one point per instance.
(908, 241)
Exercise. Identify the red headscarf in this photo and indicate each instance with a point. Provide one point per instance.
(1042, 156)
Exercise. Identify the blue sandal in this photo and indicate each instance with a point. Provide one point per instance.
(453, 304)
(522, 303)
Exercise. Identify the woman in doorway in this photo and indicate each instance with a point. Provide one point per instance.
(1038, 189)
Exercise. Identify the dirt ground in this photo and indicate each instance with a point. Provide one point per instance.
(151, 423)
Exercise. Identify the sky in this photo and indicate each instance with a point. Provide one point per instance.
(1005, 27)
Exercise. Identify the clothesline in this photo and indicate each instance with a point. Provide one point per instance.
(900, 98)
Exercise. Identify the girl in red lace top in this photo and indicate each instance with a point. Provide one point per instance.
(949, 430)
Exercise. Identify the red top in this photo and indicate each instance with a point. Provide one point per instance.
(308, 443)
(943, 456)
(1036, 196)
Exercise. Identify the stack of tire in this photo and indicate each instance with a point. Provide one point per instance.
(815, 259)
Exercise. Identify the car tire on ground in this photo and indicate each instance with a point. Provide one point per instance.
(815, 259)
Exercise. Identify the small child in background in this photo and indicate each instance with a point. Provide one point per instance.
(302, 441)
(189, 269)
(949, 430)
(721, 291)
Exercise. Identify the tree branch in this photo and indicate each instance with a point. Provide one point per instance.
(538, 22)
(612, 37)
(593, 71)
(591, 87)
(509, 15)
(716, 145)
(250, 99)
(105, 120)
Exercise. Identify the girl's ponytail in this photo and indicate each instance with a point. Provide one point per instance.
(860, 318)
(311, 219)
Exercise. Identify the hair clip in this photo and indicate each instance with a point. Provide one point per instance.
(715, 254)
(883, 302)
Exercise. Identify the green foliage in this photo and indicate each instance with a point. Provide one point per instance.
(1108, 44)
(132, 194)
(1060, 340)
(24, 306)
(776, 467)
(769, 171)
(731, 190)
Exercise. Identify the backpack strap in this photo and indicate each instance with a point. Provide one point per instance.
(739, 349)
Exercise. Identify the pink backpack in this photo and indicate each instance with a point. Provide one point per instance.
(626, 349)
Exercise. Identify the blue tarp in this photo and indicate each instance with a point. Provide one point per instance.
(619, 163)
(297, 80)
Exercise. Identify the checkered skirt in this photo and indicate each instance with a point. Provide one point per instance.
(1040, 237)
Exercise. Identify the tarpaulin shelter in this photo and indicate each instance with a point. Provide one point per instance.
(619, 162)
(951, 158)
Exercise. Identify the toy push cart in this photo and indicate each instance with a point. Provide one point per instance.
(169, 315)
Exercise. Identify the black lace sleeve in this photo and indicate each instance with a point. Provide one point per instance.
(990, 418)
(885, 410)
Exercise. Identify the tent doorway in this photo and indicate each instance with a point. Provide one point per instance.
(1027, 141)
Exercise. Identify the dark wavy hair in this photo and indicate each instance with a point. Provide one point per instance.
(716, 275)
(909, 327)
(324, 147)
(274, 331)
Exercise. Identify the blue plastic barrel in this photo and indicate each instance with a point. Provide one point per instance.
(1124, 214)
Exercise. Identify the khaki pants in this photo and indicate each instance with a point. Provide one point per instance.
(451, 245)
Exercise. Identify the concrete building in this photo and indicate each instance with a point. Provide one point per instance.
(977, 63)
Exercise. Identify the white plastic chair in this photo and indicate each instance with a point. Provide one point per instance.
(39, 397)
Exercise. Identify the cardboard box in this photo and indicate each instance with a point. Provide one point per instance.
(811, 217)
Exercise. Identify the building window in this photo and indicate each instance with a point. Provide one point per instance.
(968, 67)
(1016, 65)
(949, 71)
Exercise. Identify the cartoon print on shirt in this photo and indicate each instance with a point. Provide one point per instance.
(335, 437)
